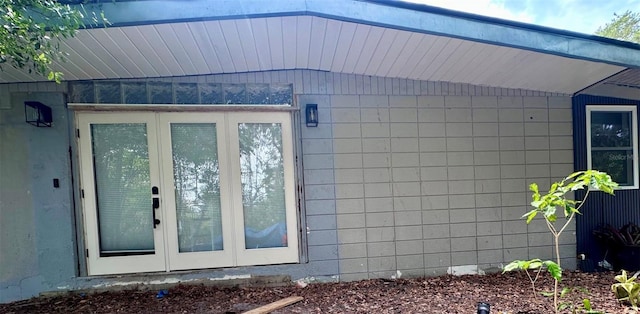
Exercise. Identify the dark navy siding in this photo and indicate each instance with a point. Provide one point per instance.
(600, 208)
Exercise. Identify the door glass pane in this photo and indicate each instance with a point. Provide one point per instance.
(123, 188)
(262, 176)
(197, 187)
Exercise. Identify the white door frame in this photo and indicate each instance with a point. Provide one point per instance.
(166, 256)
(97, 264)
(205, 259)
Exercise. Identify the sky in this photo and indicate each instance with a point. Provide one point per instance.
(583, 16)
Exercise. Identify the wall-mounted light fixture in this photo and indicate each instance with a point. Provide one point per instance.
(484, 308)
(37, 114)
(311, 114)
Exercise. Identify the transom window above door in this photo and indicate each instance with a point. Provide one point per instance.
(175, 191)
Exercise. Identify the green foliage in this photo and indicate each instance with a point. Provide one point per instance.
(547, 206)
(31, 33)
(627, 289)
(586, 306)
(623, 27)
(552, 267)
(261, 164)
(583, 307)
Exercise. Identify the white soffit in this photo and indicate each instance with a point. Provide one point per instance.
(628, 78)
(316, 43)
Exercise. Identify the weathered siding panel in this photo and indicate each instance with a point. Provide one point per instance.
(432, 182)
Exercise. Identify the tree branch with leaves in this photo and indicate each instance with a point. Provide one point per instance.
(624, 26)
(32, 30)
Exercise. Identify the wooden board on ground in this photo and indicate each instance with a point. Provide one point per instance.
(274, 305)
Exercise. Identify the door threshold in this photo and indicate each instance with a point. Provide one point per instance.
(158, 281)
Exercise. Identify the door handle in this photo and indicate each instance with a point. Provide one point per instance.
(156, 205)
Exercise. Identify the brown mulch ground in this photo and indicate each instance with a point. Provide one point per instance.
(508, 293)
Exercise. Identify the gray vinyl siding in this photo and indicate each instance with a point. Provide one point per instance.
(405, 175)
(423, 183)
(324, 83)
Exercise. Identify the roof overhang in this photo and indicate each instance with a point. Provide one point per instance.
(374, 37)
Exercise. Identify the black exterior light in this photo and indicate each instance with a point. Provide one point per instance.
(311, 114)
(37, 114)
(484, 308)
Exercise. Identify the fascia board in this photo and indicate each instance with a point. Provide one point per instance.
(383, 13)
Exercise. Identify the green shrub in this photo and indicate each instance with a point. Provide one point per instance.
(627, 289)
(547, 205)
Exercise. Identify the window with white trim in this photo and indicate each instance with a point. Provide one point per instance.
(612, 143)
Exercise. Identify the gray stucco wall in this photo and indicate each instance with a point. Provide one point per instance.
(36, 225)
(399, 175)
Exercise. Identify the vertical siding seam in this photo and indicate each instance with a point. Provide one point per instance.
(446, 149)
(392, 185)
(364, 196)
(424, 264)
(473, 154)
(500, 192)
(335, 202)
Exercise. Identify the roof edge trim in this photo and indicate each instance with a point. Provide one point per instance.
(383, 13)
(495, 20)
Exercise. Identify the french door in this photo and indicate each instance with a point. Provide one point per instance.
(175, 191)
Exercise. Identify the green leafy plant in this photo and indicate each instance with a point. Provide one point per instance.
(582, 307)
(32, 30)
(625, 26)
(627, 289)
(535, 265)
(547, 206)
(585, 308)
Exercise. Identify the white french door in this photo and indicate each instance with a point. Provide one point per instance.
(174, 191)
(120, 166)
(196, 180)
(265, 225)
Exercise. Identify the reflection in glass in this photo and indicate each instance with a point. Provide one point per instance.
(186, 93)
(108, 93)
(617, 163)
(610, 129)
(123, 188)
(234, 94)
(281, 94)
(81, 92)
(262, 176)
(160, 93)
(134, 92)
(197, 187)
(211, 93)
(258, 94)
(611, 145)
